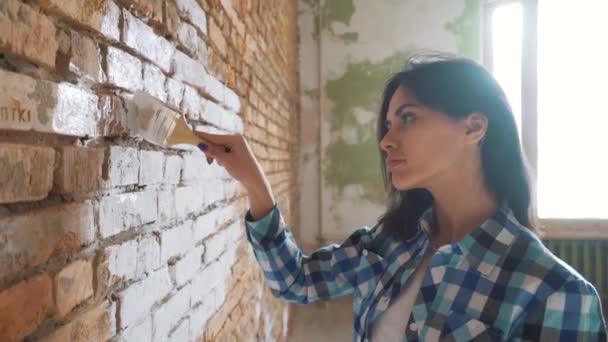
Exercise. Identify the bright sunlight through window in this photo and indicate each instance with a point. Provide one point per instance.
(572, 95)
(506, 53)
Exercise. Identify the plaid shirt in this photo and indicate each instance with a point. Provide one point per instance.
(498, 283)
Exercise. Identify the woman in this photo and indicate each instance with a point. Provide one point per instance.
(455, 256)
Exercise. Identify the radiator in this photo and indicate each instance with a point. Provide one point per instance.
(589, 258)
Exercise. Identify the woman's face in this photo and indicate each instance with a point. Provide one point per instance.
(422, 144)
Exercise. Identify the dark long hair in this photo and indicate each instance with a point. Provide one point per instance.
(459, 87)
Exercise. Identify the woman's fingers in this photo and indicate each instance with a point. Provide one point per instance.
(213, 151)
(218, 139)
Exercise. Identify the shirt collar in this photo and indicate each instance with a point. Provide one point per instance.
(486, 246)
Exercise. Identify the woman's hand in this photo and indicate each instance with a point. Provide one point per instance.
(234, 154)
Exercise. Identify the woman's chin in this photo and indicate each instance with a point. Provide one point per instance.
(403, 185)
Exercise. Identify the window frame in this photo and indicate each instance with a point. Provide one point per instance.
(549, 228)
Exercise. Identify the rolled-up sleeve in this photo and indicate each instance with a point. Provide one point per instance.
(327, 273)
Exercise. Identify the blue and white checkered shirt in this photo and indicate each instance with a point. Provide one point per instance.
(498, 283)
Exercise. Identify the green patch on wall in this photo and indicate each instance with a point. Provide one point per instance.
(333, 11)
(467, 28)
(346, 163)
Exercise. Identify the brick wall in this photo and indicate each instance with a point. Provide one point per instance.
(104, 236)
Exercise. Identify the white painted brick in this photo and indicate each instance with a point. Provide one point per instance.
(195, 165)
(124, 70)
(192, 103)
(230, 188)
(148, 255)
(151, 164)
(232, 100)
(170, 313)
(228, 213)
(187, 267)
(235, 232)
(102, 18)
(175, 92)
(228, 258)
(189, 70)
(29, 104)
(205, 225)
(188, 37)
(192, 11)
(220, 294)
(176, 241)
(199, 317)
(209, 223)
(215, 172)
(141, 38)
(173, 169)
(213, 113)
(123, 166)
(154, 82)
(121, 212)
(232, 123)
(166, 205)
(138, 299)
(188, 200)
(215, 88)
(205, 281)
(181, 332)
(122, 260)
(214, 191)
(138, 333)
(215, 246)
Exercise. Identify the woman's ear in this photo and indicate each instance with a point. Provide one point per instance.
(476, 127)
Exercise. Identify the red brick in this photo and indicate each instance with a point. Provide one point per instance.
(72, 285)
(85, 58)
(97, 324)
(27, 33)
(34, 236)
(99, 15)
(26, 172)
(79, 169)
(215, 33)
(24, 306)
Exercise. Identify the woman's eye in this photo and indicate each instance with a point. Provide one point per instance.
(407, 118)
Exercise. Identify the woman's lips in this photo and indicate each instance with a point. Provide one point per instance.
(393, 163)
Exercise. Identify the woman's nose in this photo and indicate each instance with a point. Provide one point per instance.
(387, 142)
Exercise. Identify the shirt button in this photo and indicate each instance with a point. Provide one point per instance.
(413, 326)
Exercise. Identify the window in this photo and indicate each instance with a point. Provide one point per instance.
(551, 59)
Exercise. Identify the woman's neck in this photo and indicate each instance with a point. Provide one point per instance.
(461, 205)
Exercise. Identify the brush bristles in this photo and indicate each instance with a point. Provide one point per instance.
(160, 126)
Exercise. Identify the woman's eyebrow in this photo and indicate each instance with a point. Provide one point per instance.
(404, 106)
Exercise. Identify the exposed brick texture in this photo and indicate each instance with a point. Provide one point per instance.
(104, 236)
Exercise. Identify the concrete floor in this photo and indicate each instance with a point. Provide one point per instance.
(330, 321)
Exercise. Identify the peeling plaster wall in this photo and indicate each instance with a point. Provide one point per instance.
(348, 49)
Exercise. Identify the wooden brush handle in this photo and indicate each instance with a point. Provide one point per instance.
(182, 134)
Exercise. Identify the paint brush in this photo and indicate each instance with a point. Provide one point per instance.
(161, 125)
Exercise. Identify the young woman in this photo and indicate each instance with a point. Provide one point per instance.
(455, 257)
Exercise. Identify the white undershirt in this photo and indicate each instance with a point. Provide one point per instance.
(390, 326)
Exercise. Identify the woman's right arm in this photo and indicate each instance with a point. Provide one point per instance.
(330, 272)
